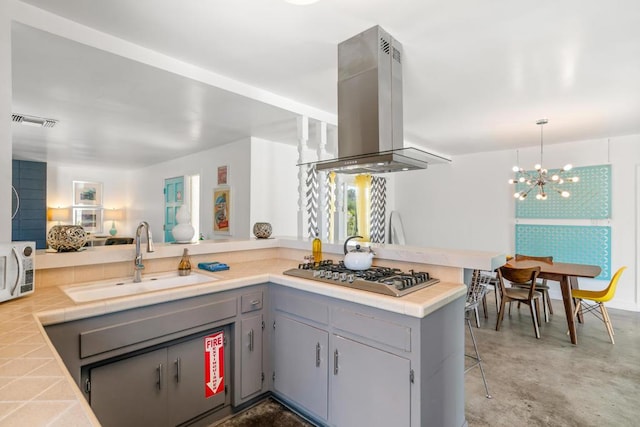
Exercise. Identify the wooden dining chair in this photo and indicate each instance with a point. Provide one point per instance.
(526, 295)
(541, 285)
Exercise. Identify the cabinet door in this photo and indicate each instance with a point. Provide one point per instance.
(300, 364)
(251, 356)
(131, 392)
(370, 387)
(186, 382)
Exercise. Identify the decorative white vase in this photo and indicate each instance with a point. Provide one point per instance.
(184, 231)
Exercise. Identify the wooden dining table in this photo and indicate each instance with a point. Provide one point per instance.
(567, 275)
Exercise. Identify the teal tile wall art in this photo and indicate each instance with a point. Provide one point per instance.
(567, 243)
(590, 197)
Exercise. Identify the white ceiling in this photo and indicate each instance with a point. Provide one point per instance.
(477, 75)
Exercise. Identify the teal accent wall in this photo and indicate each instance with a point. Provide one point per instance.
(590, 197)
(30, 223)
(568, 243)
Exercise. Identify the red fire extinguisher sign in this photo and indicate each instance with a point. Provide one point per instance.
(214, 364)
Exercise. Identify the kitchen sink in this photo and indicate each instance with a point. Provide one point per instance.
(93, 291)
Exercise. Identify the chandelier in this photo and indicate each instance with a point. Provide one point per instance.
(540, 179)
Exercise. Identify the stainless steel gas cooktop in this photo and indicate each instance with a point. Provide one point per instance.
(382, 280)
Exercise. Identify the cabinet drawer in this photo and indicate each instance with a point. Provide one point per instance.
(251, 302)
(120, 335)
(378, 330)
(297, 305)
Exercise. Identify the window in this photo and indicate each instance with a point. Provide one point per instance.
(357, 205)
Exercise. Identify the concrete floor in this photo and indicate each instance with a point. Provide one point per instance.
(550, 382)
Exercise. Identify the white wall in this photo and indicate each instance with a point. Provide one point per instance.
(262, 175)
(148, 183)
(274, 186)
(463, 205)
(5, 124)
(115, 189)
(469, 204)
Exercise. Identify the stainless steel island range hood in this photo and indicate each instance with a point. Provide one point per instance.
(370, 129)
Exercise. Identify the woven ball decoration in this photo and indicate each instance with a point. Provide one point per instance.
(262, 230)
(66, 238)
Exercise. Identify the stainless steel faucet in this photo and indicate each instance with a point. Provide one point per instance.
(137, 263)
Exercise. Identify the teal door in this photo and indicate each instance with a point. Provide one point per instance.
(173, 199)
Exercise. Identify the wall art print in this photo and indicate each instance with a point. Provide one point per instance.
(223, 174)
(222, 210)
(590, 197)
(86, 193)
(568, 243)
(89, 218)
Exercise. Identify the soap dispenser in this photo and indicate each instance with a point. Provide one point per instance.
(184, 268)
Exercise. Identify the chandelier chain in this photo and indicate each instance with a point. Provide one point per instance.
(541, 145)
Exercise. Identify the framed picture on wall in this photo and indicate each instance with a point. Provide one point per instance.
(223, 174)
(222, 210)
(89, 218)
(86, 193)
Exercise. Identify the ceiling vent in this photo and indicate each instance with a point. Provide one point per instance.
(33, 121)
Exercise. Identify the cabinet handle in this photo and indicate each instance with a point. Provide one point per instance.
(335, 362)
(251, 340)
(255, 302)
(178, 365)
(20, 268)
(159, 369)
(317, 355)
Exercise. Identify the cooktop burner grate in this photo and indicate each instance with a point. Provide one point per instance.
(382, 280)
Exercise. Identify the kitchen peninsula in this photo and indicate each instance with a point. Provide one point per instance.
(38, 390)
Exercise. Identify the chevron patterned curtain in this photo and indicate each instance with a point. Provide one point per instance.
(330, 204)
(378, 204)
(312, 202)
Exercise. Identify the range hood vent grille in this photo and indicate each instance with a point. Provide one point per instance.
(384, 45)
(397, 56)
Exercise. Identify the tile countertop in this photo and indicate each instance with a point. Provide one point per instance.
(37, 390)
(459, 258)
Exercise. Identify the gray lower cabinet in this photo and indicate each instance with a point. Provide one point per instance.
(251, 371)
(300, 364)
(164, 387)
(344, 364)
(369, 387)
(129, 392)
(186, 381)
(339, 362)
